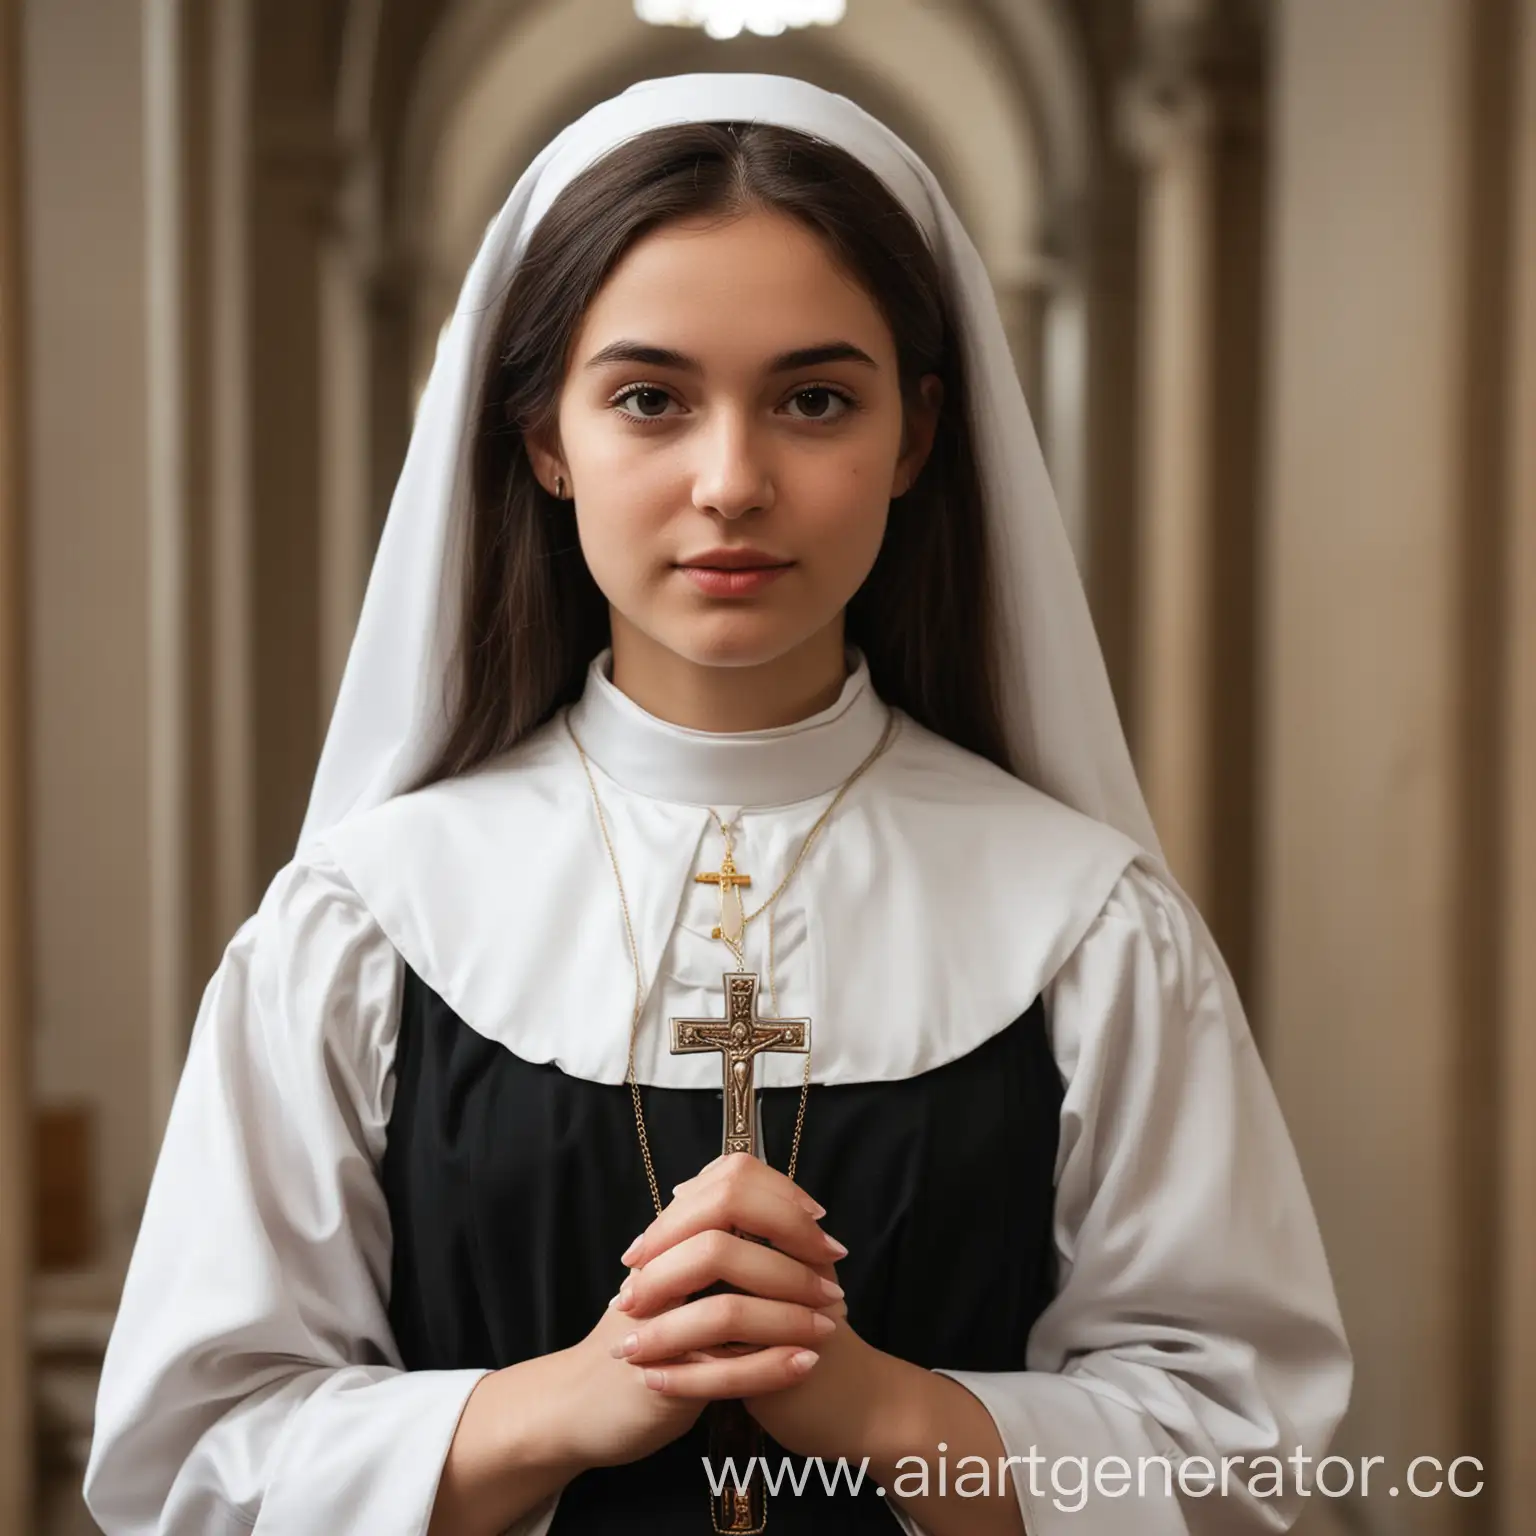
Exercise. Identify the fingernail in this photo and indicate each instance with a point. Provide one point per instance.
(631, 1342)
(630, 1253)
(656, 1379)
(815, 1208)
(613, 1300)
(823, 1324)
(831, 1289)
(626, 1297)
(834, 1247)
(804, 1359)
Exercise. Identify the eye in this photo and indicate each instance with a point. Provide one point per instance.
(823, 403)
(817, 402)
(646, 397)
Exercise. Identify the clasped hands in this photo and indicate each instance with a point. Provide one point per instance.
(779, 1340)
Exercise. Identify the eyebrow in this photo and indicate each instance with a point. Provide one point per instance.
(785, 362)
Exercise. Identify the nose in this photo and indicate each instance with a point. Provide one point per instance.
(732, 475)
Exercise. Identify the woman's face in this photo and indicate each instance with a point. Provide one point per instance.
(731, 397)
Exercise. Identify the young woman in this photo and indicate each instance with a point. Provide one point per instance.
(728, 1000)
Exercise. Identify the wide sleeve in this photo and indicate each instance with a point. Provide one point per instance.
(251, 1380)
(1195, 1316)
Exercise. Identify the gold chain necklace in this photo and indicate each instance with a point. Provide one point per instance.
(767, 906)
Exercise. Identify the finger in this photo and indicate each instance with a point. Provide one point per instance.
(838, 1308)
(737, 1203)
(715, 1322)
(768, 1370)
(708, 1258)
(715, 1260)
(735, 1164)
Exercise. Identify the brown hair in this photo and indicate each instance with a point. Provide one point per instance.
(533, 617)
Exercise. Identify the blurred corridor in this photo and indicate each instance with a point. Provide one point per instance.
(1269, 273)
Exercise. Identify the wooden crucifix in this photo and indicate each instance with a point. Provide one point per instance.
(739, 1038)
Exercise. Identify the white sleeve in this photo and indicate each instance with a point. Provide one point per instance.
(1195, 1316)
(252, 1380)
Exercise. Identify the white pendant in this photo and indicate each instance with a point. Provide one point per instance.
(732, 916)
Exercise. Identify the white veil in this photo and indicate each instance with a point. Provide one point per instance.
(392, 710)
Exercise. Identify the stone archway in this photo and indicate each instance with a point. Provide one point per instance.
(483, 109)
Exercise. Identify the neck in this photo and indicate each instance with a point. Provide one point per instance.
(729, 699)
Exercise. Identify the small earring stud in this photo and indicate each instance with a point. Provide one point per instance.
(559, 487)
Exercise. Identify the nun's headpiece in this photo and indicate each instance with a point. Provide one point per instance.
(391, 715)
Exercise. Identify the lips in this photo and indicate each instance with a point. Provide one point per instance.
(732, 581)
(741, 559)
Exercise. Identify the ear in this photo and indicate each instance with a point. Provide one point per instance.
(921, 423)
(548, 463)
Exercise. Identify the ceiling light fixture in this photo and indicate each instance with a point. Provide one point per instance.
(730, 18)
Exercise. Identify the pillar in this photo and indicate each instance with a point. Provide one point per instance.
(1385, 855)
(1516, 1343)
(16, 1452)
(1192, 114)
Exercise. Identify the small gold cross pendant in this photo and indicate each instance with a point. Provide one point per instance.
(733, 918)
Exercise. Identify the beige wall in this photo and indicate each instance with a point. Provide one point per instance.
(15, 1034)
(87, 578)
(1383, 928)
(1517, 1305)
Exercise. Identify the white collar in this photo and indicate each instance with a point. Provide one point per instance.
(779, 766)
(974, 886)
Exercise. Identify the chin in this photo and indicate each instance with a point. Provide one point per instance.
(735, 639)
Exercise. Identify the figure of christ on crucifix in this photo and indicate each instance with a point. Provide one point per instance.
(739, 1038)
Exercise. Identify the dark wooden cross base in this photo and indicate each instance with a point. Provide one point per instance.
(740, 1037)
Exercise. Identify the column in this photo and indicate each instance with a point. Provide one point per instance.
(1376, 918)
(233, 887)
(292, 212)
(1516, 1353)
(1191, 114)
(171, 571)
(16, 1454)
(1111, 267)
